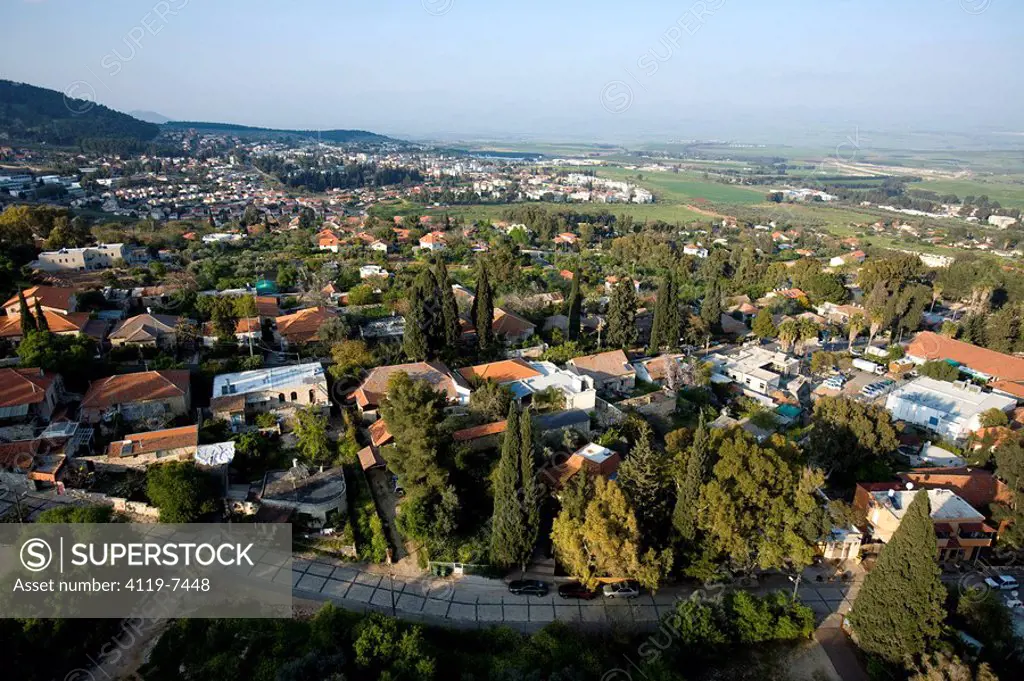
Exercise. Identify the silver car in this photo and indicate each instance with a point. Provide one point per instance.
(626, 589)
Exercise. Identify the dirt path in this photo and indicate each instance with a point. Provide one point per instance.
(705, 211)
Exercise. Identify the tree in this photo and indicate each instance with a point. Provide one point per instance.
(530, 495)
(764, 326)
(789, 333)
(645, 480)
(389, 649)
(755, 505)
(180, 490)
(483, 310)
(310, 426)
(449, 308)
(491, 400)
(622, 331)
(848, 433)
(855, 327)
(944, 666)
(940, 370)
(607, 541)
(350, 357)
(28, 322)
(665, 329)
(41, 322)
(418, 322)
(70, 356)
(76, 514)
(693, 467)
(899, 610)
(993, 418)
(509, 542)
(575, 305)
(711, 307)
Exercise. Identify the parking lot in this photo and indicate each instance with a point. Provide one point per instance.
(856, 381)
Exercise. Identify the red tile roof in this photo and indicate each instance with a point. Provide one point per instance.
(932, 346)
(375, 388)
(24, 386)
(477, 432)
(302, 326)
(605, 364)
(48, 296)
(379, 433)
(10, 326)
(155, 441)
(139, 387)
(505, 371)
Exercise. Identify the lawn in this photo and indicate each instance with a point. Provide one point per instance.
(687, 187)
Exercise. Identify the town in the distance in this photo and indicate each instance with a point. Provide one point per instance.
(694, 409)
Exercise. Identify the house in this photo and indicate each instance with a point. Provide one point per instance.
(658, 370)
(149, 394)
(385, 327)
(316, 496)
(558, 422)
(90, 258)
(374, 389)
(370, 271)
(695, 250)
(434, 241)
(28, 395)
(486, 436)
(282, 390)
(597, 460)
(953, 410)
(527, 379)
(841, 543)
(758, 372)
(145, 330)
(510, 327)
(932, 455)
(854, 258)
(59, 323)
(50, 298)
(328, 240)
(610, 371)
(380, 246)
(840, 314)
(138, 450)
(28, 465)
(303, 326)
(566, 239)
(960, 529)
(246, 330)
(977, 486)
(982, 363)
(266, 307)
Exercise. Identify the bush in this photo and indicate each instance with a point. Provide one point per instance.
(940, 371)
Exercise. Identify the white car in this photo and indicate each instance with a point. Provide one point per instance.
(1007, 583)
(627, 589)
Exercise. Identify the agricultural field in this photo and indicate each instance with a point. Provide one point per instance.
(1007, 193)
(687, 188)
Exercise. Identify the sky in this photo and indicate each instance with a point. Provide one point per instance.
(598, 70)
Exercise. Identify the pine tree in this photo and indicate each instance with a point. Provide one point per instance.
(622, 331)
(764, 325)
(41, 323)
(417, 324)
(575, 305)
(529, 497)
(483, 310)
(644, 479)
(449, 308)
(711, 308)
(665, 329)
(693, 472)
(434, 304)
(899, 610)
(508, 530)
(28, 322)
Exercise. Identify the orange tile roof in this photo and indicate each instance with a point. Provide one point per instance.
(612, 363)
(155, 441)
(252, 324)
(374, 389)
(379, 433)
(144, 327)
(48, 296)
(369, 458)
(508, 324)
(976, 486)
(1009, 387)
(138, 387)
(505, 371)
(302, 326)
(477, 432)
(266, 306)
(23, 386)
(432, 238)
(10, 326)
(932, 346)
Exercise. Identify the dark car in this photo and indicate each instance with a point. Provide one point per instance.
(576, 590)
(528, 587)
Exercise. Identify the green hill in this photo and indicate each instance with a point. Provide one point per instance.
(336, 136)
(35, 115)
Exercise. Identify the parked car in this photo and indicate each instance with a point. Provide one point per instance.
(1007, 583)
(528, 587)
(626, 589)
(576, 590)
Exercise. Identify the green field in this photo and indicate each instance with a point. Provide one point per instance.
(640, 212)
(686, 188)
(1006, 192)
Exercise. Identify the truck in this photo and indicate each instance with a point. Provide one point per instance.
(870, 367)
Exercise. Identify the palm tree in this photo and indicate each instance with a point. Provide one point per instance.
(807, 330)
(789, 332)
(855, 327)
(936, 295)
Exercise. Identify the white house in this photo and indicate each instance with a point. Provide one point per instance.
(695, 249)
(433, 241)
(370, 271)
(756, 370)
(953, 410)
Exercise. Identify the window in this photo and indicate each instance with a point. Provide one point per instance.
(295, 397)
(933, 421)
(280, 398)
(312, 397)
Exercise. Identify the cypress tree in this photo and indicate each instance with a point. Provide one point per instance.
(417, 325)
(693, 472)
(665, 329)
(449, 307)
(28, 323)
(530, 499)
(41, 322)
(575, 305)
(622, 315)
(434, 305)
(711, 308)
(644, 480)
(899, 610)
(508, 531)
(483, 310)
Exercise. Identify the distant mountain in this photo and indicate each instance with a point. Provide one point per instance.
(149, 116)
(337, 136)
(35, 115)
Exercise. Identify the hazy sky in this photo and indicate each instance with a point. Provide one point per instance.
(602, 69)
